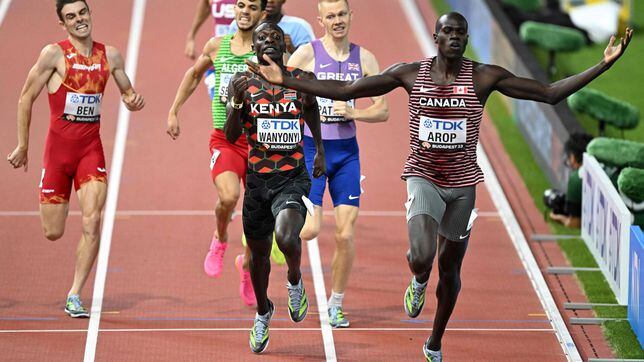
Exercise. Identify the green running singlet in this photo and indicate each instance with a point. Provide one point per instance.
(226, 64)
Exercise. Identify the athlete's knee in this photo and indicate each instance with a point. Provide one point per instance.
(344, 240)
(287, 240)
(91, 224)
(228, 199)
(310, 231)
(53, 233)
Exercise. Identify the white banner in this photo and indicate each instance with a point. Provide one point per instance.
(605, 223)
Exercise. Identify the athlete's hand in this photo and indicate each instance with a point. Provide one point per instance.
(240, 85)
(173, 126)
(319, 165)
(612, 53)
(343, 109)
(133, 102)
(18, 158)
(190, 49)
(271, 72)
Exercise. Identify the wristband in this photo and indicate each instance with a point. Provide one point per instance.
(236, 105)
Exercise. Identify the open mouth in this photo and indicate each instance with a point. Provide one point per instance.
(339, 28)
(244, 19)
(455, 45)
(82, 27)
(270, 50)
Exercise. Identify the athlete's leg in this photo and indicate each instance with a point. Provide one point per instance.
(423, 231)
(260, 269)
(450, 259)
(92, 198)
(345, 219)
(53, 217)
(288, 225)
(228, 191)
(312, 225)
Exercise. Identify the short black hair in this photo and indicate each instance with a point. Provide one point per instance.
(453, 14)
(265, 23)
(61, 3)
(576, 145)
(262, 4)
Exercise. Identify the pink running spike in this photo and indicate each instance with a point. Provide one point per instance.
(246, 291)
(215, 258)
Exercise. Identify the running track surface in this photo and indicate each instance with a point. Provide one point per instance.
(158, 304)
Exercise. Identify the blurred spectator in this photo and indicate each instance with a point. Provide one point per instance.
(566, 208)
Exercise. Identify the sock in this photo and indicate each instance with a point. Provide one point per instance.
(419, 285)
(336, 299)
(264, 318)
(298, 285)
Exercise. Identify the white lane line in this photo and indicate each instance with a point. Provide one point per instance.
(320, 296)
(4, 7)
(509, 220)
(367, 213)
(341, 330)
(136, 26)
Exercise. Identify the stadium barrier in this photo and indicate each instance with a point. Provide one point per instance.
(636, 290)
(605, 224)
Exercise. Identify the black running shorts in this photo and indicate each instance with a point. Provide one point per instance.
(268, 194)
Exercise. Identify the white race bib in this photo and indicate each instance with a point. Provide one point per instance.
(327, 115)
(83, 107)
(279, 134)
(224, 80)
(445, 134)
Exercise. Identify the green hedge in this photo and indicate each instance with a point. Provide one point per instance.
(600, 106)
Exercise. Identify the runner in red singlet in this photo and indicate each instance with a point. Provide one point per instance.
(75, 72)
(446, 98)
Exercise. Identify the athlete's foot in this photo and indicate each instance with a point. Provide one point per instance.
(215, 258)
(298, 303)
(276, 254)
(246, 291)
(259, 333)
(414, 298)
(74, 307)
(431, 356)
(337, 318)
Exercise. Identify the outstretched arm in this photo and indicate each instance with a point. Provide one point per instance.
(311, 114)
(523, 88)
(36, 80)
(235, 107)
(133, 101)
(397, 75)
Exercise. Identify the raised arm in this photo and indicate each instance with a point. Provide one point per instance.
(189, 83)
(133, 101)
(235, 107)
(36, 81)
(203, 11)
(497, 78)
(398, 75)
(311, 114)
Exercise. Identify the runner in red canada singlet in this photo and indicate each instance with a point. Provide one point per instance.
(446, 98)
(75, 72)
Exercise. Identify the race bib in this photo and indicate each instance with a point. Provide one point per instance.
(279, 134)
(442, 134)
(224, 80)
(82, 107)
(327, 115)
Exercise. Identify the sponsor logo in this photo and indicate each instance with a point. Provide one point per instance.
(351, 197)
(426, 90)
(322, 66)
(442, 102)
(48, 191)
(71, 55)
(463, 236)
(292, 202)
(100, 169)
(89, 68)
(460, 90)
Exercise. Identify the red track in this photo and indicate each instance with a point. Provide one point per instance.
(155, 280)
